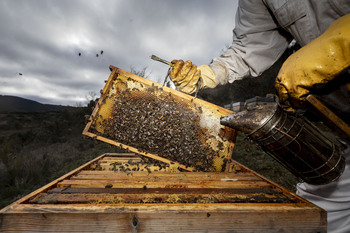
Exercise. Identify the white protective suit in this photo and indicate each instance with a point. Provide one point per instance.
(264, 29)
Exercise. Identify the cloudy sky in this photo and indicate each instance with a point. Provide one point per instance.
(41, 39)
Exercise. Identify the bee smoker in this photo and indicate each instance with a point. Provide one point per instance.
(292, 140)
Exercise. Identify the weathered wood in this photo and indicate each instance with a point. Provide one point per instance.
(113, 159)
(269, 191)
(190, 175)
(86, 200)
(145, 174)
(222, 177)
(180, 184)
(173, 219)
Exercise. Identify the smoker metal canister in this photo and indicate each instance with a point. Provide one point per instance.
(292, 140)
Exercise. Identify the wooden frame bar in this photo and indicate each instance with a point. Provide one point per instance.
(217, 111)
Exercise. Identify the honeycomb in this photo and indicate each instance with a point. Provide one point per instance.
(147, 118)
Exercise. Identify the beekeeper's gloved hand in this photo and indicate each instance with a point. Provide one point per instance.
(316, 64)
(187, 77)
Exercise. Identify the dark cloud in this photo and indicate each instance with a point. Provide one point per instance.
(42, 40)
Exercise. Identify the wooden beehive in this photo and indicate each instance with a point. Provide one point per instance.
(120, 193)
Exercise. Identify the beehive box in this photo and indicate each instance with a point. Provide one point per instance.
(109, 195)
(147, 118)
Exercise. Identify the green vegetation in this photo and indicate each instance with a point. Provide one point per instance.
(38, 147)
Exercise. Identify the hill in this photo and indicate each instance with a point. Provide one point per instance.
(18, 104)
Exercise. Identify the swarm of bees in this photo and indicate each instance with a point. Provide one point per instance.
(161, 126)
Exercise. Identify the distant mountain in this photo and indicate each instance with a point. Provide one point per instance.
(18, 104)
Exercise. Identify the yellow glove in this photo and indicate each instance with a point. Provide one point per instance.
(186, 76)
(318, 62)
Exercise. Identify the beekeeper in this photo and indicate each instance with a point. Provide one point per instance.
(264, 29)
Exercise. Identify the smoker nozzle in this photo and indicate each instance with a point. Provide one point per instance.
(255, 113)
(228, 121)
